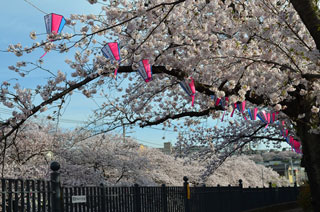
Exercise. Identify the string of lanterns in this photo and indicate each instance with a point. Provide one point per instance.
(55, 23)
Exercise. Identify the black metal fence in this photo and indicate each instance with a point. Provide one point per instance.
(237, 198)
(124, 199)
(25, 195)
(48, 196)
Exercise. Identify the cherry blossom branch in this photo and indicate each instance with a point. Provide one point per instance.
(282, 50)
(177, 116)
(179, 74)
(269, 62)
(161, 21)
(47, 102)
(126, 21)
(202, 88)
(84, 36)
(253, 137)
(288, 25)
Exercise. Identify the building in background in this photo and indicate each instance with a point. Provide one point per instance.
(289, 168)
(167, 148)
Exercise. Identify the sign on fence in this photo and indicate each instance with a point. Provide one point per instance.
(79, 199)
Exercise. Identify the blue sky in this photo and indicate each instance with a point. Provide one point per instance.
(19, 18)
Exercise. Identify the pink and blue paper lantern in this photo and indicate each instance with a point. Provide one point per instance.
(112, 52)
(145, 70)
(54, 23)
(189, 89)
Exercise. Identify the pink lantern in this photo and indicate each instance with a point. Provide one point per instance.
(189, 89)
(54, 24)
(145, 70)
(112, 51)
(253, 113)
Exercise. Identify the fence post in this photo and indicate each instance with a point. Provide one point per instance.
(271, 194)
(219, 199)
(4, 194)
(56, 199)
(137, 198)
(164, 198)
(277, 195)
(103, 197)
(240, 195)
(187, 194)
(295, 192)
(240, 184)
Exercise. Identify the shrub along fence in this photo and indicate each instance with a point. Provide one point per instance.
(49, 196)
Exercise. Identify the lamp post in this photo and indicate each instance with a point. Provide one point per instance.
(56, 187)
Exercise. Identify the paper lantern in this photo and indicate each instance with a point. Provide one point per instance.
(219, 101)
(145, 70)
(296, 144)
(242, 107)
(224, 101)
(274, 117)
(253, 113)
(264, 117)
(283, 131)
(286, 132)
(234, 106)
(54, 24)
(112, 52)
(189, 89)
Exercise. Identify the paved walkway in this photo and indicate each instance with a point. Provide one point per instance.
(294, 210)
(279, 208)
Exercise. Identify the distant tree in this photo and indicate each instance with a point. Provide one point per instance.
(87, 160)
(283, 155)
(241, 167)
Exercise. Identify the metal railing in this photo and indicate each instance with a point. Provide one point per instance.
(48, 196)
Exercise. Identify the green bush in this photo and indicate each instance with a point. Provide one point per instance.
(304, 198)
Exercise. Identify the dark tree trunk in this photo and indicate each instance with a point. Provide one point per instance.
(311, 161)
(309, 16)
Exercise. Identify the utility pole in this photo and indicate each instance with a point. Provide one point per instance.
(293, 178)
(286, 171)
(123, 132)
(262, 178)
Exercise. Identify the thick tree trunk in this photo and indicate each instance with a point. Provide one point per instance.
(311, 161)
(309, 15)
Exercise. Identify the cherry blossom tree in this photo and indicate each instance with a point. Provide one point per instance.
(87, 160)
(30, 151)
(265, 52)
(269, 156)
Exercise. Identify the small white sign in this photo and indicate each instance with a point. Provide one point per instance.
(79, 199)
